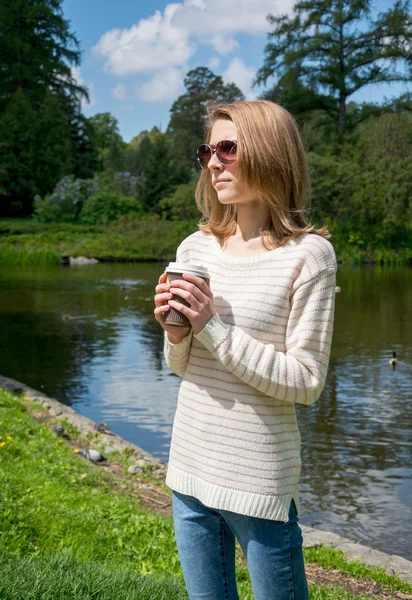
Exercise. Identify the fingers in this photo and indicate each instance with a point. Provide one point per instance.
(160, 312)
(160, 299)
(162, 287)
(186, 310)
(199, 282)
(178, 287)
(188, 296)
(163, 277)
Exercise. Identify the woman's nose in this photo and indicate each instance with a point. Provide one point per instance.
(214, 162)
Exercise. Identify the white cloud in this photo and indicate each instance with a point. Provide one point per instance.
(237, 72)
(223, 44)
(151, 45)
(163, 86)
(77, 76)
(171, 38)
(214, 62)
(162, 44)
(119, 92)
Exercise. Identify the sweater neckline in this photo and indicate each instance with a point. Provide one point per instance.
(253, 258)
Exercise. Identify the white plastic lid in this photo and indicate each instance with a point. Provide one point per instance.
(192, 268)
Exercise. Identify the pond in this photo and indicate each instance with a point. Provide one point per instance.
(86, 335)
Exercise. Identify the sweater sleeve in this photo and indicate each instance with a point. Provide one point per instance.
(177, 355)
(297, 375)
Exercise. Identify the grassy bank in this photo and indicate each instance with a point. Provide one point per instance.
(71, 526)
(23, 241)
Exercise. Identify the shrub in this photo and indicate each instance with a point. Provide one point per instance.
(181, 205)
(65, 203)
(107, 205)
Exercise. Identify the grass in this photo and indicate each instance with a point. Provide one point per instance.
(63, 576)
(69, 529)
(24, 241)
(135, 239)
(329, 558)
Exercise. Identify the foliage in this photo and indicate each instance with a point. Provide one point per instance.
(187, 115)
(329, 49)
(66, 201)
(132, 237)
(366, 191)
(107, 141)
(181, 205)
(126, 183)
(17, 154)
(44, 135)
(107, 205)
(37, 50)
(159, 170)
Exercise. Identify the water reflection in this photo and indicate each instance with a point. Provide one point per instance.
(106, 359)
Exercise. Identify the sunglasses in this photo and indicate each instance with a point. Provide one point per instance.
(225, 153)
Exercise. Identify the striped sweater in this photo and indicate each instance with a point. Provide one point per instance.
(236, 443)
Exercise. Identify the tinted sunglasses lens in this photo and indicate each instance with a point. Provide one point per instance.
(226, 152)
(204, 154)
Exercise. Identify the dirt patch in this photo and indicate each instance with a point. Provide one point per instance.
(331, 577)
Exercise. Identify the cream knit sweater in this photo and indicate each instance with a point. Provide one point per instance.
(235, 442)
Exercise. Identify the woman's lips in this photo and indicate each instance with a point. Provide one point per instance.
(221, 182)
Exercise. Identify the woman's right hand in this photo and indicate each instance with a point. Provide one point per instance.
(175, 333)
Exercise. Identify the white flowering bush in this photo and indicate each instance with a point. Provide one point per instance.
(65, 203)
(126, 183)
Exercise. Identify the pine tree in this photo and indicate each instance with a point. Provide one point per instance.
(17, 156)
(329, 49)
(37, 50)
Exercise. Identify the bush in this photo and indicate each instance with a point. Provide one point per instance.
(181, 205)
(66, 201)
(108, 205)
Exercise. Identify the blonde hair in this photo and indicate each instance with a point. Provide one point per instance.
(272, 160)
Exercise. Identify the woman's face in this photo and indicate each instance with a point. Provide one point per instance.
(226, 179)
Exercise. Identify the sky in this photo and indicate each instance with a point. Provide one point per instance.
(136, 53)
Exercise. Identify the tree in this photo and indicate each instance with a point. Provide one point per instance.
(17, 155)
(330, 49)
(54, 158)
(186, 126)
(158, 176)
(37, 50)
(107, 141)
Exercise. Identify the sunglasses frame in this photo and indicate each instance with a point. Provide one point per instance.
(216, 151)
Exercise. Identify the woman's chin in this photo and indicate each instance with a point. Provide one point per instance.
(226, 198)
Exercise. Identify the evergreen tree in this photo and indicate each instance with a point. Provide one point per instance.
(37, 50)
(330, 49)
(186, 126)
(53, 145)
(17, 156)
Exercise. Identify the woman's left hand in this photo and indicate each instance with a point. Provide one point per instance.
(198, 294)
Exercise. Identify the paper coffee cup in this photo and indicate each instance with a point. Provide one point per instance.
(175, 271)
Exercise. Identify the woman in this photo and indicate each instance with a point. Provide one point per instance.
(259, 343)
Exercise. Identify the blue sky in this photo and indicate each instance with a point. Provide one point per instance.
(135, 54)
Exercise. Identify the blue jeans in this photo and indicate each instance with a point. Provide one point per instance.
(206, 543)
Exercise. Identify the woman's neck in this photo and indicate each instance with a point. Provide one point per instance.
(250, 219)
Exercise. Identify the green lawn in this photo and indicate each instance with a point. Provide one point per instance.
(68, 529)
